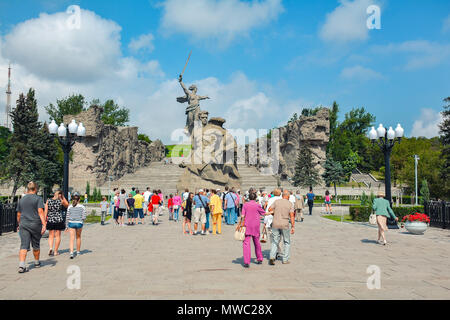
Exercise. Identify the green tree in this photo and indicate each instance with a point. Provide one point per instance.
(445, 139)
(424, 192)
(19, 163)
(429, 152)
(350, 164)
(306, 175)
(4, 145)
(48, 170)
(73, 105)
(294, 118)
(334, 113)
(334, 174)
(350, 135)
(88, 189)
(115, 115)
(144, 137)
(309, 112)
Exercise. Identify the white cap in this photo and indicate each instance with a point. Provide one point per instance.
(201, 190)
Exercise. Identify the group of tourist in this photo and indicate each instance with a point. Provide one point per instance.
(206, 209)
(34, 218)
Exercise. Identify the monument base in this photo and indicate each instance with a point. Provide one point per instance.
(193, 182)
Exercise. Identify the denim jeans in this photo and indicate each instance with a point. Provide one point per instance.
(207, 221)
(230, 215)
(275, 240)
(175, 213)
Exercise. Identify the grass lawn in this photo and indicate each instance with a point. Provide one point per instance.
(355, 202)
(95, 219)
(183, 150)
(347, 218)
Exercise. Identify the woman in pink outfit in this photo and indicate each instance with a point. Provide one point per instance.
(251, 219)
(176, 207)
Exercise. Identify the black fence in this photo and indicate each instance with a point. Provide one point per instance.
(8, 217)
(439, 213)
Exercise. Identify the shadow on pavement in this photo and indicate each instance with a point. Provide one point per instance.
(369, 241)
(50, 262)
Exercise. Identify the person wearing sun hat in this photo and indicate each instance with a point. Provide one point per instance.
(383, 211)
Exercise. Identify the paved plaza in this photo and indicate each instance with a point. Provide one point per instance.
(329, 260)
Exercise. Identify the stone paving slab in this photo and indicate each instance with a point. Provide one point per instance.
(328, 261)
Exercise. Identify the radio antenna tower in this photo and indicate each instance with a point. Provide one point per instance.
(8, 100)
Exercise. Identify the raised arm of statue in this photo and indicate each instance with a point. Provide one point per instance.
(203, 97)
(183, 86)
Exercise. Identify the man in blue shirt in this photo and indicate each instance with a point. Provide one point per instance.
(200, 204)
(230, 207)
(311, 196)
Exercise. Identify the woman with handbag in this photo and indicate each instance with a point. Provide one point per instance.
(251, 220)
(383, 211)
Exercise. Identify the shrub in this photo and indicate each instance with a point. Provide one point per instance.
(362, 213)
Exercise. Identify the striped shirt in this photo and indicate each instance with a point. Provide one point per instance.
(76, 214)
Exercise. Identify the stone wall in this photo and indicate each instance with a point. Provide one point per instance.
(313, 131)
(107, 151)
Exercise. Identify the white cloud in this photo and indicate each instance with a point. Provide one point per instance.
(360, 73)
(222, 20)
(419, 53)
(138, 85)
(347, 22)
(143, 43)
(49, 48)
(428, 124)
(446, 24)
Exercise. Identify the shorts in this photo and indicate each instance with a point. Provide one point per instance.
(200, 215)
(139, 212)
(58, 226)
(327, 202)
(75, 225)
(146, 204)
(121, 212)
(30, 234)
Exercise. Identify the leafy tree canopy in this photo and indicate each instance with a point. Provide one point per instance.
(73, 104)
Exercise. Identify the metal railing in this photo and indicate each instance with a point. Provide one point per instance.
(8, 217)
(439, 213)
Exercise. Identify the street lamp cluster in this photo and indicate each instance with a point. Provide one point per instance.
(386, 140)
(67, 137)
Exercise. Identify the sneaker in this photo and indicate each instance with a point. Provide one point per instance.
(286, 262)
(71, 255)
(301, 220)
(37, 265)
(246, 266)
(258, 262)
(50, 253)
(272, 262)
(78, 253)
(23, 269)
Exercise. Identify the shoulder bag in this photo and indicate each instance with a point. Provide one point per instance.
(373, 218)
(207, 210)
(239, 234)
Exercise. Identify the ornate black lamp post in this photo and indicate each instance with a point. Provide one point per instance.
(386, 140)
(67, 137)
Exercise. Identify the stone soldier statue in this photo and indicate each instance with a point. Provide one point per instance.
(193, 109)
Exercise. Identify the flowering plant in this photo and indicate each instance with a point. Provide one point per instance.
(416, 217)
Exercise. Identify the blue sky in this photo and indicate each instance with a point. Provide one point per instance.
(260, 61)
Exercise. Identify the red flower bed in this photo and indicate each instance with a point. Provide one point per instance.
(422, 217)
